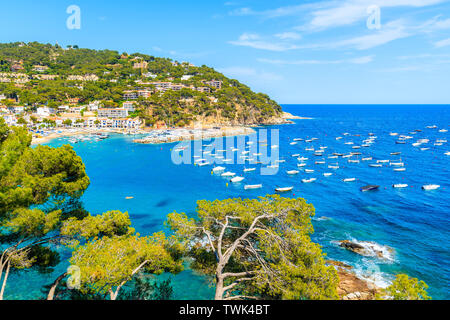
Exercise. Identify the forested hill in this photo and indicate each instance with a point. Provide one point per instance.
(181, 93)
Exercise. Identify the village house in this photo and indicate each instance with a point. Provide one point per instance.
(17, 109)
(39, 68)
(112, 113)
(216, 84)
(129, 105)
(130, 95)
(140, 65)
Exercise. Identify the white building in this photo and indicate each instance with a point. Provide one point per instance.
(129, 105)
(112, 113)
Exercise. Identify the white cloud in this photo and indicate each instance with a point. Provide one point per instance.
(245, 72)
(442, 43)
(254, 41)
(288, 36)
(360, 60)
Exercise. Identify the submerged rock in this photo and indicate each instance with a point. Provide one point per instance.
(352, 246)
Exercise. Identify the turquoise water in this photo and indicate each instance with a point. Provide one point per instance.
(414, 223)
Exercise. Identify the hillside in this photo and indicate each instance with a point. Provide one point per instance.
(164, 91)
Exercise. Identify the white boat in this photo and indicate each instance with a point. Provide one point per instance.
(333, 167)
(352, 161)
(375, 165)
(424, 149)
(228, 174)
(349, 143)
(349, 179)
(356, 147)
(320, 162)
(332, 157)
(432, 127)
(400, 185)
(302, 159)
(280, 161)
(309, 180)
(227, 160)
(218, 169)
(202, 164)
(301, 164)
(309, 149)
(382, 161)
(431, 187)
(286, 189)
(366, 159)
(274, 146)
(309, 171)
(296, 155)
(327, 174)
(338, 138)
(400, 169)
(249, 169)
(252, 186)
(397, 164)
(293, 143)
(447, 153)
(393, 134)
(292, 172)
(237, 179)
(257, 154)
(298, 139)
(443, 130)
(347, 155)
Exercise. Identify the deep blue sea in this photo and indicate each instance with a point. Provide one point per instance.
(414, 223)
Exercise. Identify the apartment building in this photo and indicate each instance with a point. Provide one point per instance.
(112, 113)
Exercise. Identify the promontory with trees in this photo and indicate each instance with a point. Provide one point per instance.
(163, 91)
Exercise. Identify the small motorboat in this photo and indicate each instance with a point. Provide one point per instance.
(352, 161)
(249, 169)
(309, 180)
(228, 174)
(375, 165)
(320, 162)
(296, 155)
(301, 164)
(237, 179)
(447, 153)
(201, 164)
(286, 189)
(302, 159)
(218, 169)
(298, 139)
(395, 153)
(369, 187)
(443, 130)
(252, 186)
(293, 143)
(382, 161)
(280, 161)
(400, 142)
(292, 172)
(400, 185)
(327, 174)
(309, 171)
(349, 179)
(400, 169)
(397, 164)
(333, 167)
(431, 187)
(366, 159)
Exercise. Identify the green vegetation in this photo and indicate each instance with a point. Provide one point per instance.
(40, 210)
(234, 103)
(405, 288)
(258, 248)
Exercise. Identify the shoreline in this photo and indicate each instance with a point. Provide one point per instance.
(187, 133)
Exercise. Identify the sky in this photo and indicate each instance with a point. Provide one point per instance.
(299, 52)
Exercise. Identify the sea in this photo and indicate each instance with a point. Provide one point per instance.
(403, 230)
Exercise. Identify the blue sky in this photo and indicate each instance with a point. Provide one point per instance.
(296, 51)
